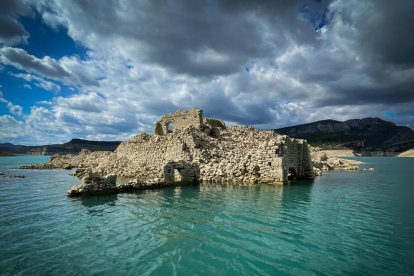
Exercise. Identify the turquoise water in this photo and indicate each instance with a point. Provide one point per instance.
(344, 223)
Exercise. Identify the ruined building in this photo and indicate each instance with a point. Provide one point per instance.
(188, 148)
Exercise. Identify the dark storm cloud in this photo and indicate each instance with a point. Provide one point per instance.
(199, 38)
(11, 31)
(383, 45)
(389, 95)
(388, 36)
(46, 67)
(22, 60)
(14, 7)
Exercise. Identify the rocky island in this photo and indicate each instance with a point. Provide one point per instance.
(187, 148)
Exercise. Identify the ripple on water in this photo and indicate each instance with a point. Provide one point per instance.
(343, 223)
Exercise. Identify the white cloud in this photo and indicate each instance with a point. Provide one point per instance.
(246, 64)
(68, 70)
(13, 108)
(39, 82)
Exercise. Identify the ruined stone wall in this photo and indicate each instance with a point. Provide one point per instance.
(214, 123)
(179, 120)
(235, 154)
(241, 155)
(158, 159)
(297, 161)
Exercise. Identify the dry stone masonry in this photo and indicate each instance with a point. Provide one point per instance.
(190, 149)
(179, 120)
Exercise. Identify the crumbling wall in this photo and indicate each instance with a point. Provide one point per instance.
(237, 154)
(178, 121)
(242, 155)
(297, 163)
(214, 123)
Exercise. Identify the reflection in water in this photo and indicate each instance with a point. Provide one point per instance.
(97, 205)
(297, 195)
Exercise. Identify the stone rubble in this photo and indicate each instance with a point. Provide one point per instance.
(327, 161)
(196, 150)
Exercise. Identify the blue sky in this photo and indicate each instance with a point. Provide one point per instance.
(107, 70)
(43, 41)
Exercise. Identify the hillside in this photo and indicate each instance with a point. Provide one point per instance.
(367, 136)
(74, 146)
(5, 153)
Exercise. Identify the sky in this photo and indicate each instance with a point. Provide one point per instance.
(107, 70)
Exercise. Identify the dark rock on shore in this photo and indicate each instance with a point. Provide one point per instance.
(17, 176)
(12, 175)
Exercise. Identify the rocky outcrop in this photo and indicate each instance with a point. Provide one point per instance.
(202, 152)
(328, 160)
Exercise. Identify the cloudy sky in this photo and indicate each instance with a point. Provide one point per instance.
(105, 70)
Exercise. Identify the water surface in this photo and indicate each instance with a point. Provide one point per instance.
(344, 223)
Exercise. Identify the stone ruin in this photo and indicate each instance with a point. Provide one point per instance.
(195, 150)
(184, 119)
(179, 120)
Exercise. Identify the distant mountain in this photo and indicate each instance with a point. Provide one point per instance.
(367, 136)
(74, 146)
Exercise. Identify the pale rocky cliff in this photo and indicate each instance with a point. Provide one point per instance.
(408, 153)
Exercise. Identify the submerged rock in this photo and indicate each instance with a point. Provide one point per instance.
(16, 176)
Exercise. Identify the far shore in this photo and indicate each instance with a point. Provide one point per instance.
(408, 153)
(3, 153)
(351, 153)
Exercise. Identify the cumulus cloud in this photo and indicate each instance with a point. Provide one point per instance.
(264, 63)
(62, 70)
(39, 82)
(13, 108)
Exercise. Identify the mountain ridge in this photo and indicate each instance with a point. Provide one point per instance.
(74, 146)
(370, 136)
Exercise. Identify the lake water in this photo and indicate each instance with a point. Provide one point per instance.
(344, 223)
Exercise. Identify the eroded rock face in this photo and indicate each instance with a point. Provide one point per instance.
(206, 151)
